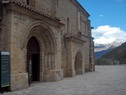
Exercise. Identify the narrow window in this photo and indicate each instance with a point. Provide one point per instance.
(68, 25)
(28, 2)
(79, 22)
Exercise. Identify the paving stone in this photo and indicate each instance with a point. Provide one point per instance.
(106, 80)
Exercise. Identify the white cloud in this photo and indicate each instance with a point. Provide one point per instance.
(107, 34)
(101, 15)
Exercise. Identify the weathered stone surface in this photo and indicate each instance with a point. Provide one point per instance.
(62, 29)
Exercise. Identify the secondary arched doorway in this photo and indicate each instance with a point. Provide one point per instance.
(78, 63)
(33, 60)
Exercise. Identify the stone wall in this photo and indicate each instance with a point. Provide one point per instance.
(59, 43)
(5, 27)
(18, 28)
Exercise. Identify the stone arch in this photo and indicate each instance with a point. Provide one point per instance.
(46, 39)
(78, 63)
(38, 25)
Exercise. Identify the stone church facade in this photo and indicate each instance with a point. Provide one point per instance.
(47, 40)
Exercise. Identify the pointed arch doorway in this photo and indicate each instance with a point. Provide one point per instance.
(78, 63)
(33, 60)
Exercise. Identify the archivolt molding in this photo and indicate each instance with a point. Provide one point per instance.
(47, 42)
(79, 53)
(42, 31)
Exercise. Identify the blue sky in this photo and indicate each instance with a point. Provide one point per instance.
(107, 14)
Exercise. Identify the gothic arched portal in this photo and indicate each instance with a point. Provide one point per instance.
(40, 45)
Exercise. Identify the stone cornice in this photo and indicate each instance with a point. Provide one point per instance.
(74, 38)
(82, 34)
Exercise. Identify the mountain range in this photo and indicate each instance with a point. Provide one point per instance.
(116, 56)
(102, 49)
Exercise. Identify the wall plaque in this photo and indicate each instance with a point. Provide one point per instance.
(4, 69)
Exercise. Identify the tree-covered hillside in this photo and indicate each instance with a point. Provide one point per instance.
(116, 56)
